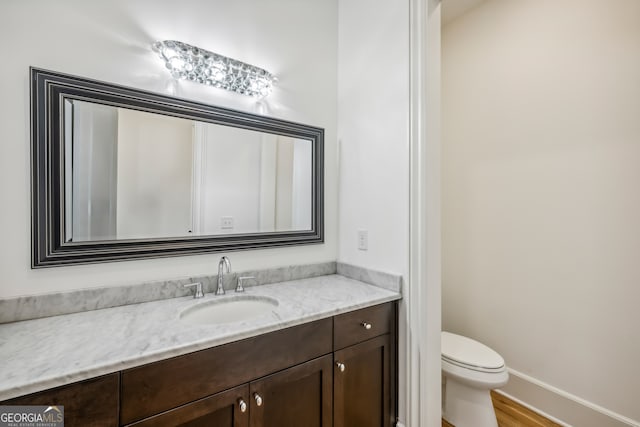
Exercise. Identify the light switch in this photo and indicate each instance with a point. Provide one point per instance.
(226, 223)
(363, 240)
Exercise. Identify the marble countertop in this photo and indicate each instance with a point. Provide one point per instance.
(43, 353)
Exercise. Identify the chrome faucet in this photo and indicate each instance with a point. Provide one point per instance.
(223, 261)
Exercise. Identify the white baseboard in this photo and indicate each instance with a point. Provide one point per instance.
(560, 406)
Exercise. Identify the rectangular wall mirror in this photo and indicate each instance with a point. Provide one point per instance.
(119, 173)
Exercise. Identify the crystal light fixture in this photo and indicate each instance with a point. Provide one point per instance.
(199, 65)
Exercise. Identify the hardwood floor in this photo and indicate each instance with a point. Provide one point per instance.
(446, 424)
(512, 414)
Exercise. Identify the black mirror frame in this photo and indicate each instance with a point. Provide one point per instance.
(49, 249)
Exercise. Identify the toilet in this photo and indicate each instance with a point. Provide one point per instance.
(469, 371)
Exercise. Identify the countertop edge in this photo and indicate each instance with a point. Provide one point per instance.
(58, 381)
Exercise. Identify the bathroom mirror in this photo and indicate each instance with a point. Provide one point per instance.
(119, 173)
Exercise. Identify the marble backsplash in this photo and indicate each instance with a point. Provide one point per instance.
(53, 304)
(392, 282)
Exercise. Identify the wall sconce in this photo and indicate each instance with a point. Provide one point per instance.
(202, 66)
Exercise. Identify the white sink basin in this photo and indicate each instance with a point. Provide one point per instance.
(229, 310)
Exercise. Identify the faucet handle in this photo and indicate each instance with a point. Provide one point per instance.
(198, 286)
(241, 281)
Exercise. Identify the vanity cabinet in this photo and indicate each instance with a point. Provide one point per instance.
(298, 396)
(151, 389)
(361, 393)
(364, 382)
(92, 402)
(337, 371)
(229, 408)
(301, 395)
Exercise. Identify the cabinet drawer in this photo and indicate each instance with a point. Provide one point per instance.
(157, 387)
(357, 326)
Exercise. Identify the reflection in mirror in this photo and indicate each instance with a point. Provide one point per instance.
(140, 175)
(121, 174)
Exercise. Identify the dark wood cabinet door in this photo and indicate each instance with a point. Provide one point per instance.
(90, 403)
(361, 393)
(298, 396)
(161, 386)
(226, 409)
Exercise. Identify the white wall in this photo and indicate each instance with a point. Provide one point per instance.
(244, 175)
(91, 186)
(541, 208)
(301, 202)
(154, 175)
(373, 133)
(110, 41)
(230, 179)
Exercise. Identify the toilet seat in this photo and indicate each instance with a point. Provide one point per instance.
(470, 354)
(475, 378)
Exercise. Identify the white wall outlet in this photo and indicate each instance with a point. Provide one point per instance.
(363, 240)
(226, 223)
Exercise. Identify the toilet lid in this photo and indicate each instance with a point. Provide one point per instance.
(468, 352)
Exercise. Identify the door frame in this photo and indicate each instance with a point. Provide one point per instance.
(421, 306)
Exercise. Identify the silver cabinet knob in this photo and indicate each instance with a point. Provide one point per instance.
(242, 405)
(341, 366)
(366, 325)
(258, 399)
